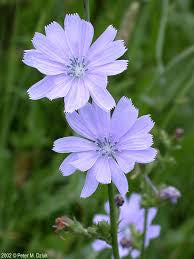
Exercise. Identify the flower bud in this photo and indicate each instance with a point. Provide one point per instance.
(119, 200)
(179, 133)
(170, 193)
(125, 242)
(61, 223)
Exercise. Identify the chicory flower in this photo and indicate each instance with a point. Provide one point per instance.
(108, 146)
(75, 68)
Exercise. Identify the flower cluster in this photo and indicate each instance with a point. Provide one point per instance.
(131, 216)
(109, 143)
(75, 69)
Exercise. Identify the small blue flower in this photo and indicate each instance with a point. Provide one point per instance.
(170, 193)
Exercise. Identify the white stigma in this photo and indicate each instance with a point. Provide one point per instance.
(106, 147)
(76, 67)
(79, 71)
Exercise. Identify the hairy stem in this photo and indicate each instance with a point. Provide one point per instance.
(87, 9)
(144, 233)
(113, 221)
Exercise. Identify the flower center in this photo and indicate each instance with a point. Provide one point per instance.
(106, 147)
(76, 67)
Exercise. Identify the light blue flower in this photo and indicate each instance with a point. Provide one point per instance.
(75, 68)
(108, 146)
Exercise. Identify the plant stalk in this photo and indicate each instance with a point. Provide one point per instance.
(161, 35)
(144, 233)
(113, 221)
(87, 9)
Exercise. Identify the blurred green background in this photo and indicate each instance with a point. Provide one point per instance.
(159, 35)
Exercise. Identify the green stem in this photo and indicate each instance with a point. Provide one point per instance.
(144, 233)
(161, 35)
(87, 9)
(150, 183)
(113, 221)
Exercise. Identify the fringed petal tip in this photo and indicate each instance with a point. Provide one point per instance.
(23, 60)
(152, 141)
(24, 56)
(29, 95)
(64, 173)
(36, 34)
(125, 49)
(112, 28)
(156, 153)
(46, 27)
(126, 64)
(61, 172)
(124, 45)
(127, 99)
(32, 96)
(26, 50)
(72, 14)
(54, 148)
(149, 117)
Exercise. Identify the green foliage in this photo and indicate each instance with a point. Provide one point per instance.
(159, 36)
